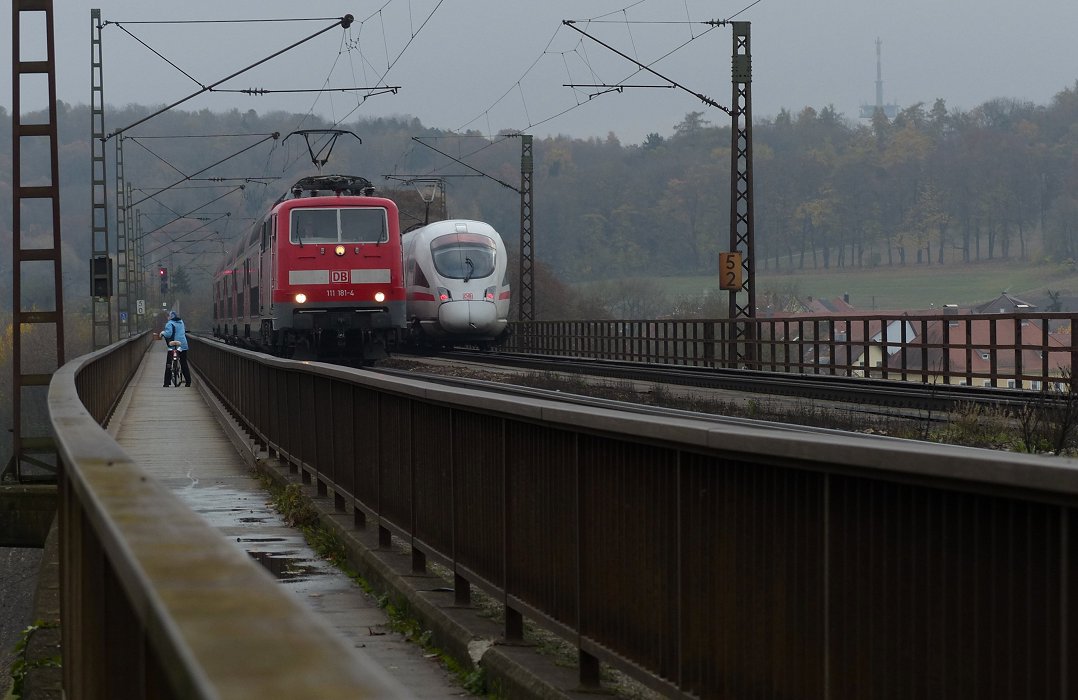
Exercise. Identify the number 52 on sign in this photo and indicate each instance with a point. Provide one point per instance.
(730, 272)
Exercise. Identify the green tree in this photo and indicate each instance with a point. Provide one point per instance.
(691, 124)
(181, 281)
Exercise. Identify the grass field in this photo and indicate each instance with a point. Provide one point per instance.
(911, 287)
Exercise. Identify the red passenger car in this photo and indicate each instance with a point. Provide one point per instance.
(321, 272)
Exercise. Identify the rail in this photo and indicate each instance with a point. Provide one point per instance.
(1016, 350)
(705, 560)
(823, 387)
(154, 601)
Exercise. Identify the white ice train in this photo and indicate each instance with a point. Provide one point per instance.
(456, 283)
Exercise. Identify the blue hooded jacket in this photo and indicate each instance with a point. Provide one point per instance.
(174, 331)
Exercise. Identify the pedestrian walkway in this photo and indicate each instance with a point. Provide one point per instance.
(172, 433)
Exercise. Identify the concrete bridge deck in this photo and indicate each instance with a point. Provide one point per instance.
(173, 434)
(186, 441)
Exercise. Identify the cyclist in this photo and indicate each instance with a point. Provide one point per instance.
(174, 331)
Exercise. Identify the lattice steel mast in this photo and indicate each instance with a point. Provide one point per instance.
(123, 259)
(101, 283)
(527, 253)
(139, 267)
(34, 454)
(742, 219)
(133, 268)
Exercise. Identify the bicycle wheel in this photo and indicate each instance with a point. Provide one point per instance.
(176, 378)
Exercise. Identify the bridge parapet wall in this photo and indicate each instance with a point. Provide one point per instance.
(1030, 350)
(706, 559)
(154, 601)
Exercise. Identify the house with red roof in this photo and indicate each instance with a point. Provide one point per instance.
(960, 346)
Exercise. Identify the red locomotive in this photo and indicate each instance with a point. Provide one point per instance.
(320, 272)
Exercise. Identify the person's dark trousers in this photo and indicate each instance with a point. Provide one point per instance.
(183, 368)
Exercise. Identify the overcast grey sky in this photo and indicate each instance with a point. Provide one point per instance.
(501, 64)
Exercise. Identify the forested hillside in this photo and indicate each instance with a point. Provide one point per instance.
(933, 187)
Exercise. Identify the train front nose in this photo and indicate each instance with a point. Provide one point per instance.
(467, 317)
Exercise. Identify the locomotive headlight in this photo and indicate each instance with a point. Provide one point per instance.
(379, 297)
(489, 294)
(444, 294)
(339, 250)
(301, 298)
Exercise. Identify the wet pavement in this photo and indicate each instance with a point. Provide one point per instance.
(18, 579)
(172, 434)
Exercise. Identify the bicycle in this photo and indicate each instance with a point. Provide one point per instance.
(174, 362)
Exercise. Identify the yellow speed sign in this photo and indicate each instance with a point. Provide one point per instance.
(730, 271)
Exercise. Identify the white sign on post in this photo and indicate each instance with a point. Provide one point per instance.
(140, 307)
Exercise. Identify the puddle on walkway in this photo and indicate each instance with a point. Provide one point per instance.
(224, 507)
(246, 519)
(287, 566)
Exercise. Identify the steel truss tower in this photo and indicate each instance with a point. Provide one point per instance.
(123, 259)
(527, 254)
(138, 277)
(132, 257)
(100, 264)
(34, 455)
(742, 219)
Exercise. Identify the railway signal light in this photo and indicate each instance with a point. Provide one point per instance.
(101, 276)
(162, 275)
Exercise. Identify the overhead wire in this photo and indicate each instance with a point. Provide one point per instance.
(341, 21)
(155, 52)
(407, 44)
(617, 12)
(466, 165)
(511, 88)
(260, 91)
(180, 238)
(145, 137)
(391, 62)
(700, 96)
(204, 88)
(580, 51)
(629, 31)
(518, 86)
(189, 213)
(744, 9)
(155, 155)
(225, 21)
(177, 215)
(688, 18)
(269, 91)
(641, 21)
(226, 158)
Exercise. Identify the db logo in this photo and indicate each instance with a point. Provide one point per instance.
(338, 275)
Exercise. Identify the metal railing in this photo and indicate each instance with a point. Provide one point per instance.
(1018, 350)
(706, 560)
(154, 601)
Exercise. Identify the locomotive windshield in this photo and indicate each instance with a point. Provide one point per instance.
(353, 225)
(463, 255)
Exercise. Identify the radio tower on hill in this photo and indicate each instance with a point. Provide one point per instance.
(890, 111)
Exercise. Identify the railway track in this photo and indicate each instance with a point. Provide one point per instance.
(582, 400)
(816, 403)
(848, 390)
(997, 419)
(653, 397)
(853, 391)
